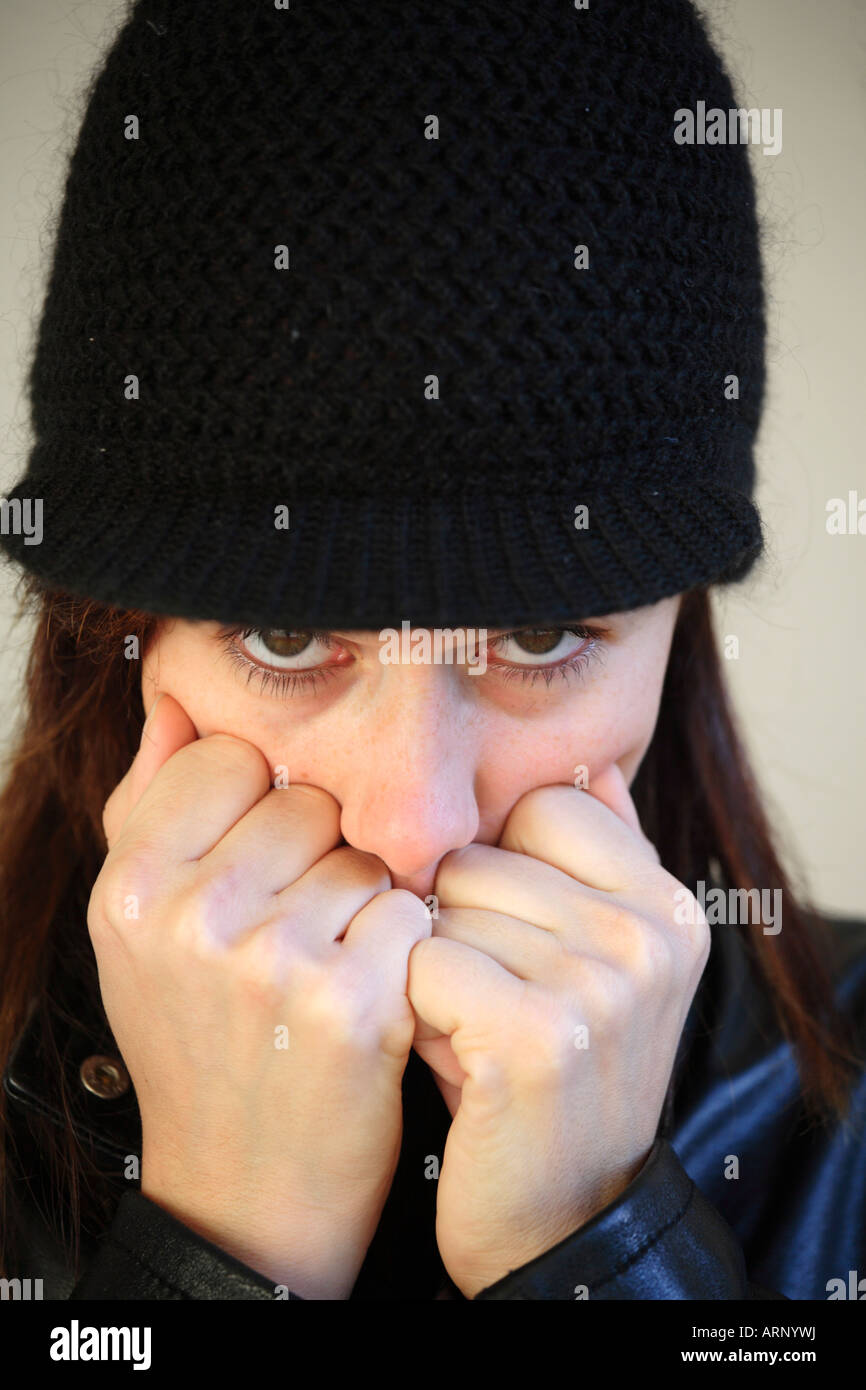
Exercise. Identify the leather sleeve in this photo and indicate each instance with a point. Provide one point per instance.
(660, 1239)
(148, 1254)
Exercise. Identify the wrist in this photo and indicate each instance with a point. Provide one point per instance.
(299, 1250)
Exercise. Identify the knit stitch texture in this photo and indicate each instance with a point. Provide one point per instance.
(410, 259)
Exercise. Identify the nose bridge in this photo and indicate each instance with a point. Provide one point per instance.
(411, 796)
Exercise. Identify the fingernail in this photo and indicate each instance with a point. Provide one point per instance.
(152, 710)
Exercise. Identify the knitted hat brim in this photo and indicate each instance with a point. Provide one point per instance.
(365, 564)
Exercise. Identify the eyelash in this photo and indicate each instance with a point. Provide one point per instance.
(287, 682)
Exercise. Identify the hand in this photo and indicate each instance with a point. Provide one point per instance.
(550, 1000)
(226, 926)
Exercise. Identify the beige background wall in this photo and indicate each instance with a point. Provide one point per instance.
(800, 675)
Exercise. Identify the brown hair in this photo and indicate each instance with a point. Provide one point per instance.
(82, 725)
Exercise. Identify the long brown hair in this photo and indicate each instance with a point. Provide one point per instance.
(82, 722)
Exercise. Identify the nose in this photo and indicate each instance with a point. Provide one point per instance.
(410, 797)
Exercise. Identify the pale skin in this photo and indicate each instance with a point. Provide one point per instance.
(547, 996)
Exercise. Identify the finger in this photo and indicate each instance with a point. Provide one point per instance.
(523, 949)
(461, 993)
(487, 878)
(271, 848)
(531, 917)
(305, 906)
(195, 797)
(380, 939)
(578, 834)
(167, 728)
(497, 901)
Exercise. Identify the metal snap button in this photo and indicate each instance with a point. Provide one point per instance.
(104, 1076)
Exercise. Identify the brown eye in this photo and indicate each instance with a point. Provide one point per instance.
(284, 642)
(287, 649)
(543, 645)
(538, 641)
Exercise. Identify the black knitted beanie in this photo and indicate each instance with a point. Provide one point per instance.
(382, 310)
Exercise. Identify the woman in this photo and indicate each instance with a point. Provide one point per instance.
(376, 965)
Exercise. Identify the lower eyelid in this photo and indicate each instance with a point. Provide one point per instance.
(282, 680)
(571, 666)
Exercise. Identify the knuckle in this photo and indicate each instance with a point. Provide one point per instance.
(649, 953)
(553, 1049)
(489, 1073)
(540, 1048)
(628, 930)
(334, 1010)
(260, 975)
(116, 809)
(108, 813)
(212, 904)
(187, 924)
(199, 917)
(608, 994)
(121, 879)
(688, 920)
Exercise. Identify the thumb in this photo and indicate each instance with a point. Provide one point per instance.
(166, 729)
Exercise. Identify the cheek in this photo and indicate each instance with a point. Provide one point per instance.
(624, 718)
(218, 700)
(621, 731)
(214, 702)
(571, 747)
(611, 722)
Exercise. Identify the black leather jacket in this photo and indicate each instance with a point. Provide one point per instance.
(790, 1223)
